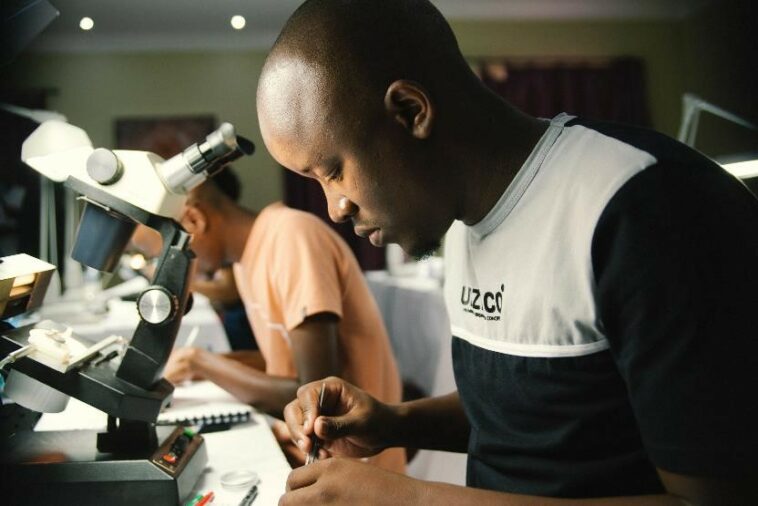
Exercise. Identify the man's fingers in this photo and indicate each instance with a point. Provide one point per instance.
(299, 497)
(299, 489)
(334, 427)
(281, 431)
(293, 416)
(302, 413)
(308, 396)
(304, 476)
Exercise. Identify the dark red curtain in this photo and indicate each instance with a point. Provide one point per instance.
(612, 91)
(306, 194)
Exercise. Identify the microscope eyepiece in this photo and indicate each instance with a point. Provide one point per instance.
(199, 161)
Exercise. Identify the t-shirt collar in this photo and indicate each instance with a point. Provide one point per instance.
(524, 177)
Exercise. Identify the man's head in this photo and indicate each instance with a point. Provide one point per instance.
(204, 214)
(362, 95)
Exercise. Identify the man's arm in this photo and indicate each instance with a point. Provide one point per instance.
(328, 479)
(361, 426)
(251, 358)
(315, 347)
(435, 423)
(221, 288)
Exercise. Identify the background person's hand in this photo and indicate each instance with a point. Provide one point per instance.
(179, 367)
(347, 482)
(350, 424)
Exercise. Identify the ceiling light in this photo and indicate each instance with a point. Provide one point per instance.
(238, 22)
(86, 23)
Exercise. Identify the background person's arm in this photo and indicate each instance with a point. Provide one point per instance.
(220, 288)
(314, 345)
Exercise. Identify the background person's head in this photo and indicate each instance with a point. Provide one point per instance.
(364, 95)
(204, 215)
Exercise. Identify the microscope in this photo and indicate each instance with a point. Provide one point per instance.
(132, 460)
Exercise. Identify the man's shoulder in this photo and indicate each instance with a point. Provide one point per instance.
(282, 221)
(661, 147)
(291, 229)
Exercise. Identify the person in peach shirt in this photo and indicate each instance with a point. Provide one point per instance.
(307, 301)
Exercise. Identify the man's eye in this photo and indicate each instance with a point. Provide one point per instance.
(335, 174)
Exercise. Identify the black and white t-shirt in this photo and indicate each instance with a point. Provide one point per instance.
(603, 316)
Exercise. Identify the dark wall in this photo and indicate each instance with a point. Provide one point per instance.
(722, 68)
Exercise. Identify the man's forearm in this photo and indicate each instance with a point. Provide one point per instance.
(267, 393)
(443, 494)
(436, 423)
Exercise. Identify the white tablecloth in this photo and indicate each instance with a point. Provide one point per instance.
(414, 313)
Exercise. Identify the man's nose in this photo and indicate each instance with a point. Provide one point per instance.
(340, 208)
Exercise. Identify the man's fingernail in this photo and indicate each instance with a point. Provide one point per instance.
(300, 443)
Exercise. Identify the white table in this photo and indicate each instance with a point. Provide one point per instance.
(413, 310)
(247, 446)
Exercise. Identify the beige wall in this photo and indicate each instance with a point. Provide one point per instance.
(94, 89)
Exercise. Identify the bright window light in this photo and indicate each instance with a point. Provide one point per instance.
(743, 170)
(86, 23)
(238, 22)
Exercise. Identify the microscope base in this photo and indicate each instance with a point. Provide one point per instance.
(66, 468)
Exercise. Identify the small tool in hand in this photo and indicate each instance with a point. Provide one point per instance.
(313, 454)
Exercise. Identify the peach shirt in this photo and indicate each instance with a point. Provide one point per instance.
(294, 266)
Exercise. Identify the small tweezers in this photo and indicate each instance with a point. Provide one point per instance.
(313, 454)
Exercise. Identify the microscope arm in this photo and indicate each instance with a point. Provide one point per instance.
(161, 307)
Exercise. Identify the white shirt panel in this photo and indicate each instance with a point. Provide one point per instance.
(525, 285)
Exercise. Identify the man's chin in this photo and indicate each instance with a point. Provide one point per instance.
(421, 250)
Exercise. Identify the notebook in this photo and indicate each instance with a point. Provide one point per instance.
(204, 403)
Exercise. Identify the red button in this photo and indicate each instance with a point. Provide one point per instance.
(170, 458)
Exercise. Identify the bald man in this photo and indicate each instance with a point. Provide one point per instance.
(600, 279)
(306, 299)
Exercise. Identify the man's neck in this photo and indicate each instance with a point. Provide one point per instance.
(505, 139)
(238, 223)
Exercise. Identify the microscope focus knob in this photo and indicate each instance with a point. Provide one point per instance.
(104, 166)
(156, 305)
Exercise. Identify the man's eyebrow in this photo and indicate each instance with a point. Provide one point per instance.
(316, 161)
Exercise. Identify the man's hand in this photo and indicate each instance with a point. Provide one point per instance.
(351, 424)
(180, 366)
(295, 456)
(346, 482)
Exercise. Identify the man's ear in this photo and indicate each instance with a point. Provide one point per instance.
(410, 105)
(194, 220)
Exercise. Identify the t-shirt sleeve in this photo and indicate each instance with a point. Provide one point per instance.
(305, 269)
(675, 257)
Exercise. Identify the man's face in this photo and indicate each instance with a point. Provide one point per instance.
(355, 152)
(205, 243)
